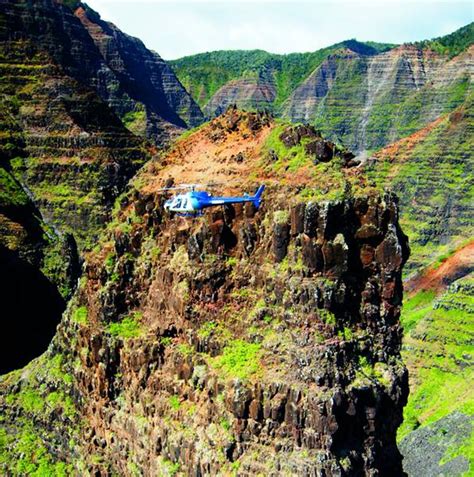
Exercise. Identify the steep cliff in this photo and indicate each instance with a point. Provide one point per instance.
(365, 95)
(221, 78)
(432, 173)
(150, 83)
(38, 268)
(76, 155)
(64, 158)
(241, 341)
(135, 82)
(369, 102)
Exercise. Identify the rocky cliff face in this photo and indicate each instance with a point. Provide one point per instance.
(36, 265)
(370, 101)
(64, 158)
(135, 82)
(76, 155)
(240, 342)
(144, 76)
(208, 76)
(248, 93)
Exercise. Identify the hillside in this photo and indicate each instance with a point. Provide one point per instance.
(364, 95)
(136, 83)
(432, 173)
(242, 341)
(205, 74)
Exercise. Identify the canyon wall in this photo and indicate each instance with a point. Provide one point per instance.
(240, 342)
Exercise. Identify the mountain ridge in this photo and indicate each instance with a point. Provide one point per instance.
(388, 93)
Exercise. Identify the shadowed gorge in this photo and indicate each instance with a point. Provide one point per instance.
(31, 310)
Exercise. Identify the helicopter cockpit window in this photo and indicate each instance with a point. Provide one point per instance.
(184, 204)
(177, 203)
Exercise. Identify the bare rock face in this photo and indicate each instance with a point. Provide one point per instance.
(251, 93)
(142, 74)
(303, 103)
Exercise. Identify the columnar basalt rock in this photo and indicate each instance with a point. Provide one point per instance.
(326, 386)
(248, 341)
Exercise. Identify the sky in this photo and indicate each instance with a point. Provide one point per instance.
(176, 28)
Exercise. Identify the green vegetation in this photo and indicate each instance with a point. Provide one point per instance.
(231, 261)
(80, 315)
(372, 372)
(207, 329)
(465, 449)
(416, 308)
(170, 468)
(281, 217)
(204, 74)
(175, 403)
(135, 121)
(185, 349)
(451, 44)
(239, 359)
(439, 350)
(431, 177)
(26, 454)
(290, 159)
(330, 181)
(129, 327)
(28, 440)
(11, 193)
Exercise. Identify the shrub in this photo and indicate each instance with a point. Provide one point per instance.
(80, 315)
(129, 327)
(239, 359)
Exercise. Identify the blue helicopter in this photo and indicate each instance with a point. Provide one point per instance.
(193, 202)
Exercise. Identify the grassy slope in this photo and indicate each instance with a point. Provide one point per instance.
(451, 44)
(432, 171)
(439, 350)
(203, 74)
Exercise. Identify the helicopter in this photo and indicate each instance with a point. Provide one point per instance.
(193, 202)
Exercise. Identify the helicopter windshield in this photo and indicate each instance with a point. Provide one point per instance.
(177, 203)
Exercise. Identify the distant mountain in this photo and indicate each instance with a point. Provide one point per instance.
(253, 72)
(364, 94)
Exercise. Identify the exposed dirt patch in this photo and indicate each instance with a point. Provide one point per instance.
(438, 278)
(224, 154)
(401, 149)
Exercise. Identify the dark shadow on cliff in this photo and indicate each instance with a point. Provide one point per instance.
(31, 308)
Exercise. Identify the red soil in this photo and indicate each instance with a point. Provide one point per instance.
(439, 278)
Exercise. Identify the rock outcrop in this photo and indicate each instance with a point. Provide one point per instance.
(243, 341)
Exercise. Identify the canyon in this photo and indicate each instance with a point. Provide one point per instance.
(242, 342)
(365, 95)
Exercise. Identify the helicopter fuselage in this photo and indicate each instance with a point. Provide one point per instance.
(193, 202)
